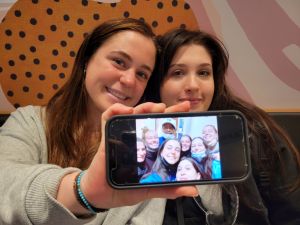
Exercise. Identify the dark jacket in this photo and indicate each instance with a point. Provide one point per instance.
(258, 200)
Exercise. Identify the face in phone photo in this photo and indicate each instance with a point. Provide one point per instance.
(171, 151)
(210, 136)
(198, 149)
(187, 170)
(186, 143)
(141, 151)
(151, 140)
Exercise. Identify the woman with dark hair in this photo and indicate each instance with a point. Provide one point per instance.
(198, 149)
(186, 142)
(52, 158)
(165, 166)
(188, 169)
(141, 157)
(192, 68)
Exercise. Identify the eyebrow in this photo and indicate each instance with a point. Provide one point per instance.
(183, 65)
(128, 57)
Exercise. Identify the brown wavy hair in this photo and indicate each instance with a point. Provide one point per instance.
(261, 126)
(66, 112)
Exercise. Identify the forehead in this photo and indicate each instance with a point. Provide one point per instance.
(208, 129)
(168, 125)
(127, 35)
(185, 162)
(192, 53)
(185, 138)
(150, 133)
(173, 142)
(197, 140)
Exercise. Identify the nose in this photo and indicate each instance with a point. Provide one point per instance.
(128, 77)
(191, 84)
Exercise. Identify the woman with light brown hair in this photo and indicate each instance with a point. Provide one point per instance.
(52, 158)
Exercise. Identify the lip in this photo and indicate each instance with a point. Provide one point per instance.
(193, 101)
(117, 94)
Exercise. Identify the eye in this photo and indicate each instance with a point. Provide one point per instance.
(143, 75)
(119, 62)
(204, 73)
(177, 73)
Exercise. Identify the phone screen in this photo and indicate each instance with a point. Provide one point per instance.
(185, 148)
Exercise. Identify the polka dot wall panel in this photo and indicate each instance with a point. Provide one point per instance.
(39, 39)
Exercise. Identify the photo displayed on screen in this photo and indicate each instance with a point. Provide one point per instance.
(178, 149)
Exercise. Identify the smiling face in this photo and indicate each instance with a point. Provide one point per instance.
(168, 128)
(198, 146)
(185, 143)
(187, 171)
(152, 140)
(141, 151)
(210, 136)
(171, 151)
(119, 70)
(189, 78)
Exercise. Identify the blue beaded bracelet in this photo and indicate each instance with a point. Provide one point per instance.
(82, 199)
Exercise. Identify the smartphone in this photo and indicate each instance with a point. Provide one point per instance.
(167, 149)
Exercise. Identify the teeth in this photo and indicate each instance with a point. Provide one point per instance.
(117, 94)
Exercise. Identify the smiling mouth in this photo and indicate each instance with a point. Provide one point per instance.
(117, 94)
(193, 101)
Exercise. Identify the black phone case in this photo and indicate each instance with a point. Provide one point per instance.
(177, 183)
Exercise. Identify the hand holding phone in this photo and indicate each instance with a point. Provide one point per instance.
(94, 183)
(151, 150)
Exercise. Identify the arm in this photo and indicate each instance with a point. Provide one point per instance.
(28, 184)
(94, 184)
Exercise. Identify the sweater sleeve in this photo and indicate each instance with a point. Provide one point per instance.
(28, 184)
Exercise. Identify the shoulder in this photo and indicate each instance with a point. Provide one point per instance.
(28, 114)
(152, 177)
(28, 120)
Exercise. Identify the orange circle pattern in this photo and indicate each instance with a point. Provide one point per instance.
(39, 39)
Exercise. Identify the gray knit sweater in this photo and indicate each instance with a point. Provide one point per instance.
(28, 184)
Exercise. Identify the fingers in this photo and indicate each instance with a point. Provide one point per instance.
(116, 109)
(182, 107)
(150, 107)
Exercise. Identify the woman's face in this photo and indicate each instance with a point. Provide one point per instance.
(152, 140)
(189, 78)
(198, 146)
(119, 70)
(171, 151)
(186, 171)
(210, 136)
(141, 151)
(185, 143)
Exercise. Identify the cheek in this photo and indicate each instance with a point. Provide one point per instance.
(169, 93)
(210, 90)
(139, 91)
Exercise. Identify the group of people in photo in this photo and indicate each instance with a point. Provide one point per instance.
(178, 157)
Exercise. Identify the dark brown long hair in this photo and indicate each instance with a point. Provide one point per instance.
(66, 112)
(158, 166)
(260, 124)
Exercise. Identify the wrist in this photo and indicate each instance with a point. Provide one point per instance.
(82, 198)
